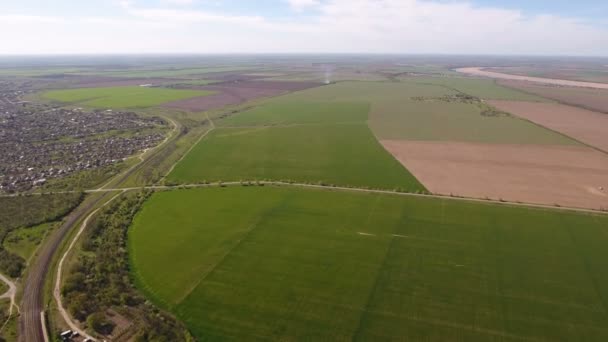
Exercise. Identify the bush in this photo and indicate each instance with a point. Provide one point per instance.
(98, 322)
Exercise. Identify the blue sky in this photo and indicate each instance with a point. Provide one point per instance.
(590, 9)
(536, 27)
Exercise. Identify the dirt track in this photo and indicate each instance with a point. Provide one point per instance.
(564, 175)
(586, 126)
(30, 325)
(492, 74)
(10, 293)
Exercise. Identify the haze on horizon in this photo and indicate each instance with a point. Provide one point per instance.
(305, 26)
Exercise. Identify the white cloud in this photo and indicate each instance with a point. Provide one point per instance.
(300, 5)
(179, 2)
(371, 26)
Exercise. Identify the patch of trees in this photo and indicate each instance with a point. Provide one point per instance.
(100, 281)
(27, 211)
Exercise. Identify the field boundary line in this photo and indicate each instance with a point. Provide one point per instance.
(366, 308)
(221, 260)
(588, 268)
(339, 188)
(190, 149)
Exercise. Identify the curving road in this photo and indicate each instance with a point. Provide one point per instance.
(31, 327)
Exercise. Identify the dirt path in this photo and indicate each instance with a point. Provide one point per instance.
(31, 320)
(10, 294)
(492, 74)
(190, 149)
(57, 290)
(371, 191)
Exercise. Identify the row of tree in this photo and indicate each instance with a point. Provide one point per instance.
(100, 281)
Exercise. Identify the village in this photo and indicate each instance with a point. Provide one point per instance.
(39, 142)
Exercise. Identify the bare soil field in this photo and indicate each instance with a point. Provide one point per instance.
(589, 98)
(569, 83)
(234, 93)
(564, 175)
(572, 72)
(583, 125)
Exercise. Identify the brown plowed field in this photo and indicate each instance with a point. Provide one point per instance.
(592, 99)
(583, 125)
(565, 175)
(234, 93)
(499, 75)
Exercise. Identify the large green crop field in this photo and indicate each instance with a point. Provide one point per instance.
(453, 121)
(266, 263)
(121, 97)
(486, 89)
(397, 113)
(286, 112)
(340, 154)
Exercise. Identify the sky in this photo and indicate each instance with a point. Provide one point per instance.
(495, 27)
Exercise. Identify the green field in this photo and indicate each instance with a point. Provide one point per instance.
(286, 112)
(486, 89)
(24, 241)
(172, 72)
(452, 121)
(396, 114)
(121, 97)
(346, 154)
(266, 263)
(3, 287)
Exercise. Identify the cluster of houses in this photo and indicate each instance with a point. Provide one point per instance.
(40, 142)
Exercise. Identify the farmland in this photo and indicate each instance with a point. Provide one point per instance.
(589, 98)
(121, 97)
(341, 154)
(482, 88)
(277, 263)
(287, 112)
(453, 121)
(508, 172)
(586, 126)
(586, 74)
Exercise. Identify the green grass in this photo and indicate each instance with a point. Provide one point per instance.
(287, 112)
(24, 241)
(266, 263)
(346, 154)
(3, 288)
(121, 97)
(486, 89)
(175, 72)
(451, 121)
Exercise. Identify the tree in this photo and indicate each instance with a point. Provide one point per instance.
(98, 322)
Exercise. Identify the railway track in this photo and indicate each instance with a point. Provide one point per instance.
(31, 327)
